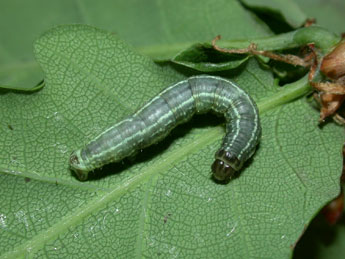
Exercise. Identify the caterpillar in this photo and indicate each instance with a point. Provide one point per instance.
(173, 106)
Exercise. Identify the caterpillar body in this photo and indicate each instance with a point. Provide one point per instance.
(173, 106)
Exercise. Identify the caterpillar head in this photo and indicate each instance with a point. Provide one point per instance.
(225, 165)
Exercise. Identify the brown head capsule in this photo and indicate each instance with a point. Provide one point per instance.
(333, 64)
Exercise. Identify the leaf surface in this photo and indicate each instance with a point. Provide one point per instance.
(159, 29)
(163, 203)
(21, 22)
(288, 10)
(327, 14)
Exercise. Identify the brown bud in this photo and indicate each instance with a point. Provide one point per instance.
(333, 64)
(334, 210)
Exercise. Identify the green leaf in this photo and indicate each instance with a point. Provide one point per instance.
(24, 88)
(21, 22)
(21, 77)
(160, 30)
(154, 29)
(164, 203)
(166, 27)
(329, 14)
(203, 57)
(287, 10)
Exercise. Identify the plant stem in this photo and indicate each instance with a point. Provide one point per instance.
(322, 38)
(286, 94)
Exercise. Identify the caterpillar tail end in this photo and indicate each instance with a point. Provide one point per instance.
(76, 165)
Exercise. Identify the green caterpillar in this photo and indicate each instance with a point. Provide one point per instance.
(173, 106)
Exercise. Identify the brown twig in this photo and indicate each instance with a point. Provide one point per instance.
(252, 49)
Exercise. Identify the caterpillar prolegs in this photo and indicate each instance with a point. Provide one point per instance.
(173, 106)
